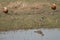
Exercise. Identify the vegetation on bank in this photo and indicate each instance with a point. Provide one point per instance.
(29, 14)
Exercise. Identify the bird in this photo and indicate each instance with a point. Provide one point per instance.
(40, 32)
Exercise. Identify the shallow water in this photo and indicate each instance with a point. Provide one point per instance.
(49, 34)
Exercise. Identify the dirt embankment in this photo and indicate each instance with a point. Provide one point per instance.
(20, 5)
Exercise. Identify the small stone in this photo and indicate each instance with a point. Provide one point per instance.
(53, 6)
(5, 9)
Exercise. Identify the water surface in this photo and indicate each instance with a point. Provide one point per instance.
(49, 34)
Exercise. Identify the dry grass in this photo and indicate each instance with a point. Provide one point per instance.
(29, 15)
